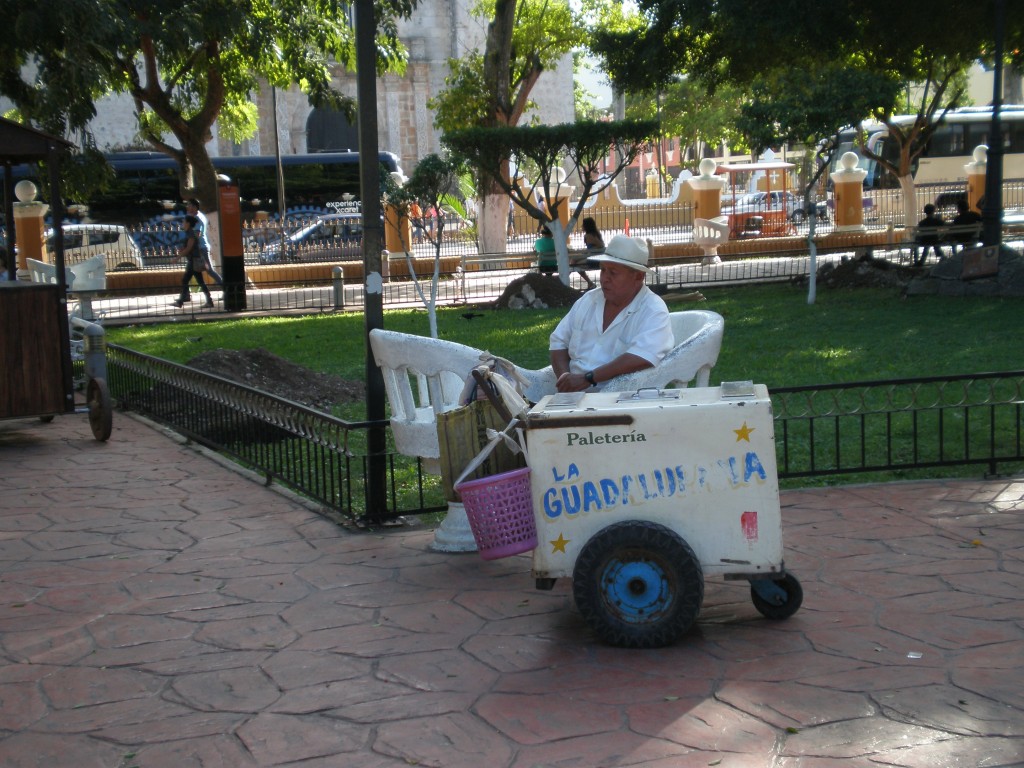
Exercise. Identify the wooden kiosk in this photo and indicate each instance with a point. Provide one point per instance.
(35, 337)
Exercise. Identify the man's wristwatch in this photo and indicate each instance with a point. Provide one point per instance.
(589, 376)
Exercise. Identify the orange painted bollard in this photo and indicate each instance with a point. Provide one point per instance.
(626, 228)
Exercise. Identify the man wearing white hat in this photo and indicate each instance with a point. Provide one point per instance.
(623, 327)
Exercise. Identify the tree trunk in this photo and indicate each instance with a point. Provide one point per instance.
(561, 249)
(202, 184)
(492, 220)
(909, 197)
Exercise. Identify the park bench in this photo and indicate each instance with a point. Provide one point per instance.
(953, 235)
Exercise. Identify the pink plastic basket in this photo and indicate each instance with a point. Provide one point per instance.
(500, 512)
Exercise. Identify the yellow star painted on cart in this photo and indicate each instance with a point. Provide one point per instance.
(558, 545)
(743, 433)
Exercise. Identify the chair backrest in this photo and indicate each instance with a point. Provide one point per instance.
(88, 275)
(698, 340)
(43, 272)
(437, 367)
(422, 378)
(718, 227)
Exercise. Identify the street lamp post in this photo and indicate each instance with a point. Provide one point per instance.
(373, 240)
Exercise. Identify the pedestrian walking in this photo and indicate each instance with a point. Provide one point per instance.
(196, 262)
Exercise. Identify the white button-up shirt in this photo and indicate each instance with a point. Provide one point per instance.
(641, 329)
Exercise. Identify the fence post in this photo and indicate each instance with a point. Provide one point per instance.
(338, 280)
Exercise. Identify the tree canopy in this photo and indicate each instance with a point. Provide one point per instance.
(811, 69)
(492, 87)
(583, 146)
(185, 64)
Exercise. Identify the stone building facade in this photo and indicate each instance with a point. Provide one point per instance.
(439, 30)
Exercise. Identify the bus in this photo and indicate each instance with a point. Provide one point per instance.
(145, 185)
(939, 171)
(949, 149)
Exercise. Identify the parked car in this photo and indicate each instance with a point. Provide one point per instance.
(757, 202)
(330, 237)
(83, 241)
(799, 215)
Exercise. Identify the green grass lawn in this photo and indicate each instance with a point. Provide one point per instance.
(771, 335)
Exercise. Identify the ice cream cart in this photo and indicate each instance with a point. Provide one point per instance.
(638, 495)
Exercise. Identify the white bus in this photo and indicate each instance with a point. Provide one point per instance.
(939, 171)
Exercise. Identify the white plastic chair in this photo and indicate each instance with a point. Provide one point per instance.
(709, 234)
(83, 279)
(423, 377)
(698, 340)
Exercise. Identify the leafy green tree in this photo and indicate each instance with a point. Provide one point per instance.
(685, 109)
(186, 65)
(583, 146)
(492, 87)
(878, 47)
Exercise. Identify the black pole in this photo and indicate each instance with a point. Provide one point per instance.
(992, 210)
(57, 218)
(11, 266)
(373, 243)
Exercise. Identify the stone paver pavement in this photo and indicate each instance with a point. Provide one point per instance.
(160, 609)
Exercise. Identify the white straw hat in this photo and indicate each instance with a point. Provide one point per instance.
(629, 251)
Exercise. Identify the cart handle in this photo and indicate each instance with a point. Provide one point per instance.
(495, 438)
(482, 376)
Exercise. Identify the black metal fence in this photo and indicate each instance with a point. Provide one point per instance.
(905, 424)
(312, 280)
(820, 431)
(670, 222)
(319, 456)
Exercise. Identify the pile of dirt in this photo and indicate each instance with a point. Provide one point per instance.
(536, 291)
(865, 271)
(263, 370)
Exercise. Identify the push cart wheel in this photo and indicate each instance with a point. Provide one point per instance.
(638, 585)
(101, 415)
(777, 598)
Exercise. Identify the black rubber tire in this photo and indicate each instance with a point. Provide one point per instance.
(798, 217)
(794, 599)
(638, 584)
(101, 411)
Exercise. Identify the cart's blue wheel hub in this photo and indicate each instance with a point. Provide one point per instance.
(637, 590)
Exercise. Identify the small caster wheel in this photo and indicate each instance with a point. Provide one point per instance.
(777, 598)
(101, 413)
(638, 585)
